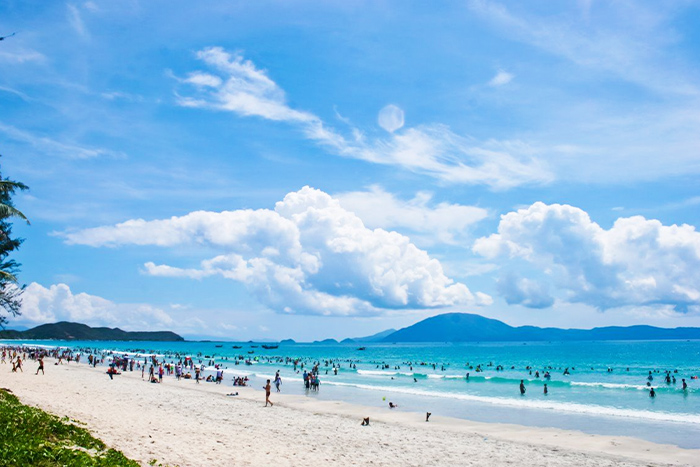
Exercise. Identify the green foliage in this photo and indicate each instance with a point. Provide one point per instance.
(29, 436)
(10, 293)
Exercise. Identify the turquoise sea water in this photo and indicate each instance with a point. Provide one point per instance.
(591, 398)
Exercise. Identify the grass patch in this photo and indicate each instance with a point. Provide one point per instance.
(30, 436)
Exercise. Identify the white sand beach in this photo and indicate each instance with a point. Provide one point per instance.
(182, 423)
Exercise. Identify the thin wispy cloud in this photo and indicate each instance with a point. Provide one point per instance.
(57, 148)
(76, 21)
(434, 150)
(20, 56)
(501, 78)
(633, 52)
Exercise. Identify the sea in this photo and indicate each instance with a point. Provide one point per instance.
(605, 390)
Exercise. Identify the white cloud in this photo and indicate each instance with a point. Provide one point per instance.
(628, 41)
(442, 222)
(76, 21)
(245, 90)
(237, 85)
(21, 56)
(391, 118)
(59, 303)
(53, 147)
(501, 78)
(635, 262)
(307, 256)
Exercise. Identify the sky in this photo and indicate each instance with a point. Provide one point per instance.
(306, 170)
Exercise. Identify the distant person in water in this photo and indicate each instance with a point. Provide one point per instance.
(685, 385)
(268, 390)
(545, 390)
(41, 366)
(522, 387)
(652, 393)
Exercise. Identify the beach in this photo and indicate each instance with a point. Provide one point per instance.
(188, 424)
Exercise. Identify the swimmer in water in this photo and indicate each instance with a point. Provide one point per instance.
(652, 393)
(522, 387)
(685, 385)
(545, 390)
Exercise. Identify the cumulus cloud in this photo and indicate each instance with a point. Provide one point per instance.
(307, 256)
(59, 303)
(443, 222)
(501, 78)
(236, 85)
(637, 261)
(391, 118)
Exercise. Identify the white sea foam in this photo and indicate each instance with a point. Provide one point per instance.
(611, 385)
(377, 373)
(571, 407)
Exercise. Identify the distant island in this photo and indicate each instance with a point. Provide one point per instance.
(466, 327)
(76, 331)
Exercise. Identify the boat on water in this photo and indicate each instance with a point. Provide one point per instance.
(270, 346)
(235, 346)
(361, 348)
(219, 346)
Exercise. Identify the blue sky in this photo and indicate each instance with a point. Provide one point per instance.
(294, 169)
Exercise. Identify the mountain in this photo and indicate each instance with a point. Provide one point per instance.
(466, 327)
(378, 337)
(76, 331)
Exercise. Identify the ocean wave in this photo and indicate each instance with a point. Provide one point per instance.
(571, 407)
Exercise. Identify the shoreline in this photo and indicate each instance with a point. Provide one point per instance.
(177, 422)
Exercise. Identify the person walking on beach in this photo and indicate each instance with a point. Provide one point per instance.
(278, 381)
(41, 366)
(268, 390)
(196, 374)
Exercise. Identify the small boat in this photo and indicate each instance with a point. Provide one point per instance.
(235, 346)
(251, 351)
(253, 346)
(361, 348)
(270, 346)
(219, 346)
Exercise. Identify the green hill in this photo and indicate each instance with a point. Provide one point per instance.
(76, 331)
(466, 327)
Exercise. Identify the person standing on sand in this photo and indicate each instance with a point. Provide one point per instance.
(268, 389)
(41, 366)
(196, 374)
(278, 381)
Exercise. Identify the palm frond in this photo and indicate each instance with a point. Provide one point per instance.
(4, 275)
(9, 211)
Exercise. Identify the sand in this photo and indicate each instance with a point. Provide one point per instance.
(182, 423)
